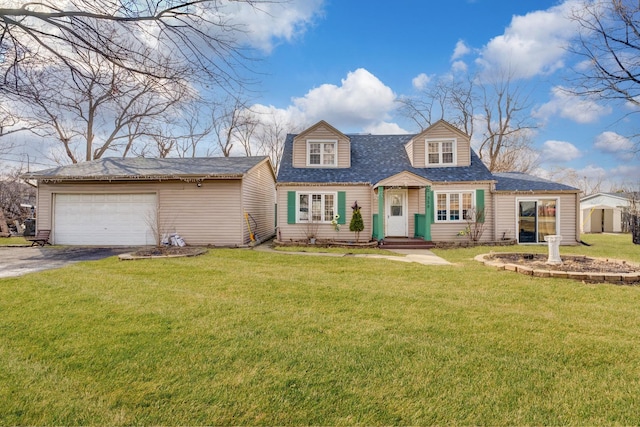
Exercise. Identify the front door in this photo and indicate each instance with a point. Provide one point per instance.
(396, 210)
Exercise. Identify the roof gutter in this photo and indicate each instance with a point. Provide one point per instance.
(185, 178)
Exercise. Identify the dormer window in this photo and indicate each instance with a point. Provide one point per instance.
(322, 153)
(441, 152)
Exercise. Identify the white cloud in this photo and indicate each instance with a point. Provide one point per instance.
(361, 103)
(559, 151)
(533, 44)
(460, 50)
(385, 128)
(267, 23)
(420, 81)
(459, 67)
(571, 107)
(360, 100)
(627, 172)
(613, 143)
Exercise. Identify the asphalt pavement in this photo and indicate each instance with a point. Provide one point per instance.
(16, 261)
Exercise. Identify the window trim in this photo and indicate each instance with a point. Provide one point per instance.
(537, 199)
(448, 202)
(322, 194)
(322, 142)
(440, 141)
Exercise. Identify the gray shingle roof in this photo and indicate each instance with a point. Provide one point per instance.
(516, 181)
(374, 158)
(142, 167)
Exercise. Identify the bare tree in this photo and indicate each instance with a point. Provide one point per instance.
(271, 134)
(103, 108)
(196, 36)
(248, 125)
(506, 122)
(229, 118)
(610, 42)
(197, 126)
(496, 113)
(586, 184)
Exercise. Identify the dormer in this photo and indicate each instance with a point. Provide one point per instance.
(440, 145)
(321, 146)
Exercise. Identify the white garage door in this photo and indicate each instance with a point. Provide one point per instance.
(104, 219)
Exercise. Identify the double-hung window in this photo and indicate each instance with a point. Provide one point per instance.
(454, 206)
(316, 207)
(321, 153)
(441, 152)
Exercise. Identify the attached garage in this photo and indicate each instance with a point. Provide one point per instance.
(104, 219)
(136, 201)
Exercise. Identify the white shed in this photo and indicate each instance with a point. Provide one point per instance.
(602, 212)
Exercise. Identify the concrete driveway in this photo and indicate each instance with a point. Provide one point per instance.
(16, 261)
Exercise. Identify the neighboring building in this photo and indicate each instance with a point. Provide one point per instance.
(604, 212)
(419, 186)
(131, 201)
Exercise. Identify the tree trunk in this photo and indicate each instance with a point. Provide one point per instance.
(4, 229)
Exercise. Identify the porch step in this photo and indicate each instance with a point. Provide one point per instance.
(405, 243)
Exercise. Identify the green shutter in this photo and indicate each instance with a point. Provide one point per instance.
(291, 207)
(342, 207)
(428, 211)
(480, 205)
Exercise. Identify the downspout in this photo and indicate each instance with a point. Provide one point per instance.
(579, 219)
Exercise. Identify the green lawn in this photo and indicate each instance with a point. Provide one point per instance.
(7, 241)
(241, 337)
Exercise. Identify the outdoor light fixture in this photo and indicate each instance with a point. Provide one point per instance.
(199, 184)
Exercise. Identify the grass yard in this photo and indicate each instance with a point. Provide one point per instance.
(240, 337)
(16, 240)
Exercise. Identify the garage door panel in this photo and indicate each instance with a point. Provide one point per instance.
(104, 219)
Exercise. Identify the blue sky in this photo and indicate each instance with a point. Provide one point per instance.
(348, 61)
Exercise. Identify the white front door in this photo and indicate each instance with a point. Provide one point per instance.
(396, 210)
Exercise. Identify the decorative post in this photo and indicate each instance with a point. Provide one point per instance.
(554, 249)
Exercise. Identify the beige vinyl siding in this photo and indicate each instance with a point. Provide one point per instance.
(258, 199)
(441, 131)
(446, 232)
(321, 133)
(415, 205)
(207, 215)
(360, 193)
(409, 147)
(507, 211)
(419, 159)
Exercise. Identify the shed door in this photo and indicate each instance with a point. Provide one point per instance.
(104, 219)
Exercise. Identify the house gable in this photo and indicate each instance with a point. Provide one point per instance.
(440, 145)
(321, 146)
(403, 179)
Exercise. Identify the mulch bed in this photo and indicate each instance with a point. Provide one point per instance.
(580, 264)
(159, 251)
